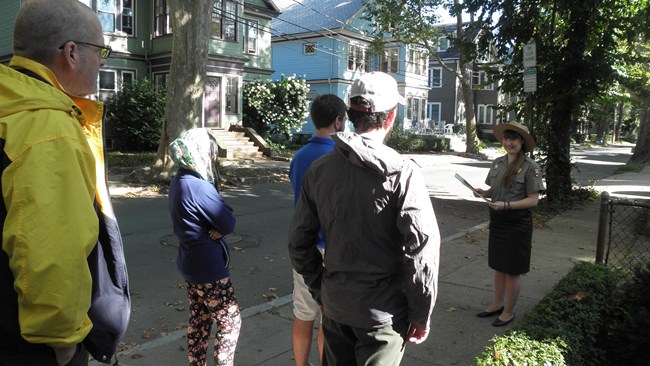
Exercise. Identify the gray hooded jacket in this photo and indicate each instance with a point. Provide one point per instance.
(383, 242)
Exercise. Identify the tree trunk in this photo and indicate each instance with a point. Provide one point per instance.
(618, 121)
(191, 32)
(642, 149)
(558, 165)
(470, 115)
(464, 67)
(601, 129)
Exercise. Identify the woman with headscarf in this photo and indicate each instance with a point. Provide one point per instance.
(201, 218)
(515, 184)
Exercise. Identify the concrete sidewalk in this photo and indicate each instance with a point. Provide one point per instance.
(457, 336)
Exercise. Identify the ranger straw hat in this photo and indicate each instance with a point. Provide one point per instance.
(529, 143)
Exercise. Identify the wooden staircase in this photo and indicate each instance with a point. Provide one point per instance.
(235, 145)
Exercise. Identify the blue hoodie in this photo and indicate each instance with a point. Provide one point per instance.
(197, 207)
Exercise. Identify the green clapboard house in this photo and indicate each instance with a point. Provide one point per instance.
(140, 34)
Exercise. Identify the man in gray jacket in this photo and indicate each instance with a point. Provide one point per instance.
(379, 280)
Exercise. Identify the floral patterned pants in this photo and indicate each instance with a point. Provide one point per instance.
(212, 302)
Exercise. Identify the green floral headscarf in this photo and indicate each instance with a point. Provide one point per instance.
(193, 150)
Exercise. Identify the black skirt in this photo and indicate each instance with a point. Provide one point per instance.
(511, 234)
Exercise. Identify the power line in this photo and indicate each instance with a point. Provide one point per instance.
(322, 48)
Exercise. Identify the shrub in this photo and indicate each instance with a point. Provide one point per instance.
(628, 334)
(572, 315)
(516, 348)
(406, 141)
(135, 116)
(574, 311)
(275, 108)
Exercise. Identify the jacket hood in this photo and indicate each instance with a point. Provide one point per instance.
(368, 153)
(17, 90)
(193, 150)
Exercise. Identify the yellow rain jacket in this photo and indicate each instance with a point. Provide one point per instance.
(62, 274)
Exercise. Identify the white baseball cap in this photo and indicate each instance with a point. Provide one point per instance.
(379, 89)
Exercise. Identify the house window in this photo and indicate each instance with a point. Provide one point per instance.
(161, 23)
(160, 80)
(111, 81)
(485, 114)
(416, 109)
(501, 116)
(433, 113)
(309, 49)
(390, 60)
(127, 17)
(423, 109)
(480, 81)
(224, 20)
(251, 37)
(416, 62)
(409, 108)
(116, 16)
(232, 94)
(443, 44)
(435, 77)
(358, 58)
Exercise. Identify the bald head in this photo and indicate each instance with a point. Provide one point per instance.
(42, 26)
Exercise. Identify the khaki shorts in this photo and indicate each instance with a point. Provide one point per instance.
(304, 306)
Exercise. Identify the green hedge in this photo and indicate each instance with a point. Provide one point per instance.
(568, 320)
(628, 326)
(135, 115)
(406, 142)
(515, 348)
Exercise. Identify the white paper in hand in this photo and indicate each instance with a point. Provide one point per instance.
(466, 184)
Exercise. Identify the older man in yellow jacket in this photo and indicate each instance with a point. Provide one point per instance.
(63, 280)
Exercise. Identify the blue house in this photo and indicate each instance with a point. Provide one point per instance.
(327, 42)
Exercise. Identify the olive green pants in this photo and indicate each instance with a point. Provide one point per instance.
(346, 345)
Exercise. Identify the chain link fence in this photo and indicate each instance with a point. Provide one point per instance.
(623, 233)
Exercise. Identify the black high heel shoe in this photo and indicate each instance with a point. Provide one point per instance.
(499, 323)
(487, 314)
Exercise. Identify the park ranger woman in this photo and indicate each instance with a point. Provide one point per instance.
(515, 184)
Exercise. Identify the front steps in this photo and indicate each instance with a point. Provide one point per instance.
(235, 145)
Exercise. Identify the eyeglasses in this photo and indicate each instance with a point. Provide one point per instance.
(104, 51)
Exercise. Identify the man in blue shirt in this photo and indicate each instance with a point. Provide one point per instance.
(328, 113)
